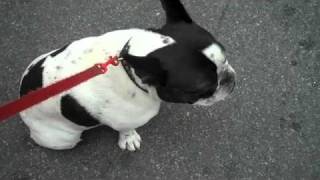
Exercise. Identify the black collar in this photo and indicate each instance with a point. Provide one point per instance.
(128, 70)
(127, 67)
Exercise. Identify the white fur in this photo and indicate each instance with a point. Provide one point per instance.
(122, 112)
(216, 55)
(130, 140)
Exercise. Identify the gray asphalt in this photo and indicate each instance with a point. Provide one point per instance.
(269, 129)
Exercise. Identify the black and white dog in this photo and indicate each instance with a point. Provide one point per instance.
(180, 63)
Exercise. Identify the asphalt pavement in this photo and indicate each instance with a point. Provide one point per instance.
(268, 129)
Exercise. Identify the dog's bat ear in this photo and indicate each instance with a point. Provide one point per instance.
(175, 11)
(149, 69)
(125, 49)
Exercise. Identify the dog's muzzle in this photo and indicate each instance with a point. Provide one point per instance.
(227, 79)
(227, 82)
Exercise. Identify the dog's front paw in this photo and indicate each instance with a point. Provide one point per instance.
(129, 140)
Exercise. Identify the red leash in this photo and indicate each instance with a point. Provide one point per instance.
(45, 93)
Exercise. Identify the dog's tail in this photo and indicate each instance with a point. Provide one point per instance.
(175, 11)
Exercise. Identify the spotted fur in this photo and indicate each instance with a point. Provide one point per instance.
(180, 62)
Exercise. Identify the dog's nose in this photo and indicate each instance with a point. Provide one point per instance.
(228, 79)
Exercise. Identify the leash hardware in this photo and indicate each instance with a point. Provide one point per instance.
(113, 60)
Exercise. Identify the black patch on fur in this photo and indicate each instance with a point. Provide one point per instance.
(72, 110)
(180, 72)
(33, 79)
(147, 69)
(59, 51)
(189, 75)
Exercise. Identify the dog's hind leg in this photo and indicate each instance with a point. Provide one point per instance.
(52, 133)
(55, 139)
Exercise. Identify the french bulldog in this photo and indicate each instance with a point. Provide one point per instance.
(180, 62)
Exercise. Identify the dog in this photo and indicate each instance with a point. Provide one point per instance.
(180, 62)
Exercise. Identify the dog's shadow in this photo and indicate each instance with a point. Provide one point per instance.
(97, 135)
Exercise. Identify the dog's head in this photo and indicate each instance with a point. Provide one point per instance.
(190, 67)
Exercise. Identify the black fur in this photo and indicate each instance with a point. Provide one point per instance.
(33, 79)
(76, 113)
(180, 72)
(59, 51)
(189, 75)
(175, 12)
(147, 69)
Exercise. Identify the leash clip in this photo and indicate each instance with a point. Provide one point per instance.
(113, 60)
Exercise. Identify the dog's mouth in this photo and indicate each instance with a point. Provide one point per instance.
(227, 80)
(225, 88)
(220, 95)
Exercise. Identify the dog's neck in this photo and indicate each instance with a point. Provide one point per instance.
(134, 78)
(139, 65)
